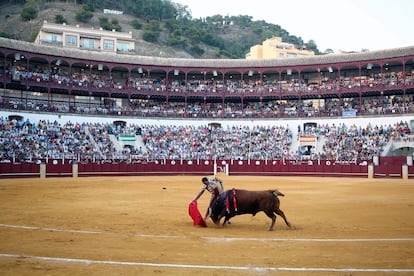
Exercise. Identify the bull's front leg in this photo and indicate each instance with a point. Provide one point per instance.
(226, 219)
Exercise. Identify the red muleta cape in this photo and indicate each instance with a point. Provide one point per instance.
(195, 214)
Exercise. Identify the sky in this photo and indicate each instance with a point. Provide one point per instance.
(340, 25)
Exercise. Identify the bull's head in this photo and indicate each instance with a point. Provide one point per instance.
(216, 216)
(219, 209)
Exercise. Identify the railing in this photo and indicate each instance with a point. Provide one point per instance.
(52, 43)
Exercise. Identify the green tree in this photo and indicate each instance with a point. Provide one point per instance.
(311, 45)
(151, 31)
(153, 26)
(28, 12)
(115, 25)
(150, 36)
(33, 37)
(197, 50)
(59, 19)
(175, 39)
(104, 23)
(171, 25)
(136, 24)
(84, 14)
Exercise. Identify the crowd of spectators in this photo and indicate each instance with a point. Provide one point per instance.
(353, 142)
(87, 142)
(99, 79)
(374, 105)
(91, 142)
(265, 108)
(237, 142)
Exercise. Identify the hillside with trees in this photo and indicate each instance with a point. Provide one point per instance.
(160, 27)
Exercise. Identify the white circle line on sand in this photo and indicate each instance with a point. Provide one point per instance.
(217, 267)
(326, 269)
(310, 239)
(215, 239)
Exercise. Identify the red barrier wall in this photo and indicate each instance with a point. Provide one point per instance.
(16, 170)
(56, 168)
(390, 170)
(390, 167)
(167, 167)
(292, 168)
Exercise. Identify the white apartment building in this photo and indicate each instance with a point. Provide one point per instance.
(68, 36)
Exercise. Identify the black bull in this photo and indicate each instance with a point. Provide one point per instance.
(238, 202)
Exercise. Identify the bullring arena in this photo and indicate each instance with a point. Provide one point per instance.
(140, 226)
(80, 196)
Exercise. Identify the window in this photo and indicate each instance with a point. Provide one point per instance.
(122, 47)
(88, 43)
(108, 44)
(71, 40)
(54, 38)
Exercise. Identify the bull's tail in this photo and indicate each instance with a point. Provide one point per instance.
(277, 193)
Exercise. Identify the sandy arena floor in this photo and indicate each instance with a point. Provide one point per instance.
(141, 226)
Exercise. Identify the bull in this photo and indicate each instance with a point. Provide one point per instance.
(238, 202)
